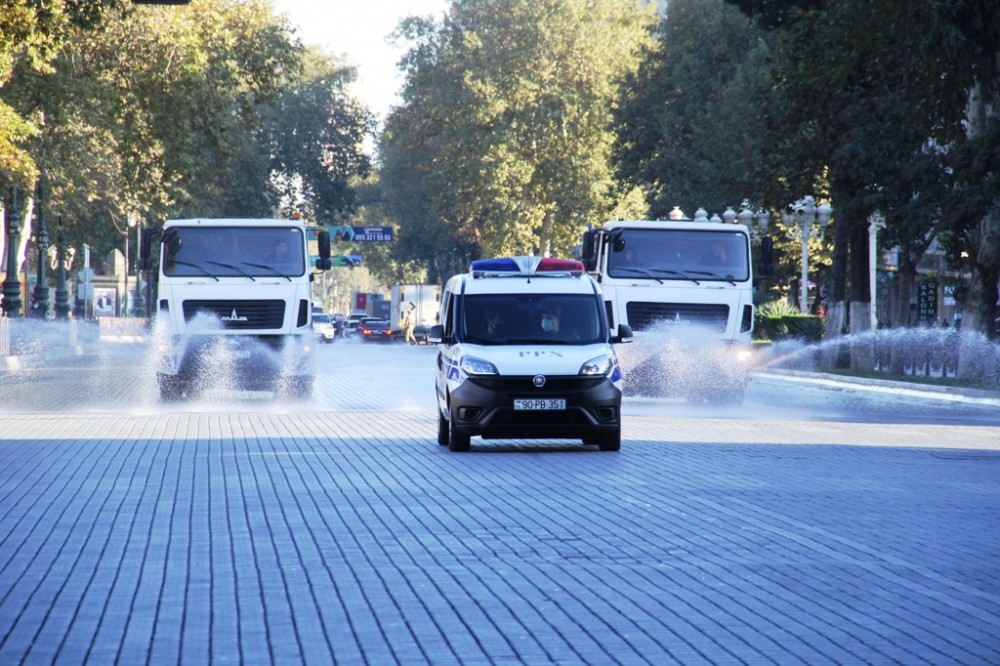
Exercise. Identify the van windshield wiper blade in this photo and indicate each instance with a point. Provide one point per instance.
(235, 268)
(198, 266)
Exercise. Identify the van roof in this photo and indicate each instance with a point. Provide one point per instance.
(506, 275)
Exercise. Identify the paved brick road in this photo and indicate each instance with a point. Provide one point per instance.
(254, 532)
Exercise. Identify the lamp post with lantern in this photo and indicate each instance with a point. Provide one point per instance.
(802, 218)
(11, 285)
(747, 217)
(41, 305)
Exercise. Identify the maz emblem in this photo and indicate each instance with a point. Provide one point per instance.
(234, 317)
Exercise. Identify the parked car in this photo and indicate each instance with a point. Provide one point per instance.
(322, 325)
(350, 325)
(375, 330)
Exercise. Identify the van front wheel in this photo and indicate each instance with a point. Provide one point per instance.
(458, 441)
(611, 441)
(443, 436)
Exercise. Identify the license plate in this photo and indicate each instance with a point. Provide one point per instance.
(539, 403)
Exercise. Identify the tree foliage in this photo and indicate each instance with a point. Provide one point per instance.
(502, 142)
(203, 110)
(688, 128)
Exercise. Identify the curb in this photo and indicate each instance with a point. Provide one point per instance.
(954, 393)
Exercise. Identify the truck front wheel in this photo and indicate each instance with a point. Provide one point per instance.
(297, 387)
(171, 389)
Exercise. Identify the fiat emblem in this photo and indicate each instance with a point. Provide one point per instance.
(538, 381)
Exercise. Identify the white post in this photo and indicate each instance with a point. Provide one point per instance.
(805, 230)
(124, 298)
(875, 222)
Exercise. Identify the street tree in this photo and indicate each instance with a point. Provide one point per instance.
(314, 134)
(689, 126)
(509, 104)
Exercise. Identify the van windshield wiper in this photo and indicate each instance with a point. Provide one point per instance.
(270, 268)
(198, 266)
(235, 268)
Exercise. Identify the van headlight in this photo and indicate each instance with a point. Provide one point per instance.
(472, 365)
(599, 365)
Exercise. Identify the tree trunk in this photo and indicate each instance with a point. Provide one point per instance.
(901, 318)
(980, 314)
(836, 310)
(862, 349)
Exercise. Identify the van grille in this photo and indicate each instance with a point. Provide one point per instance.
(523, 384)
(643, 316)
(239, 314)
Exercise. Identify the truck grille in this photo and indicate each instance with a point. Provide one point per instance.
(239, 314)
(643, 316)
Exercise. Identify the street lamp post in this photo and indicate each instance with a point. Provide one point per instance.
(11, 285)
(62, 293)
(125, 296)
(802, 217)
(746, 217)
(41, 308)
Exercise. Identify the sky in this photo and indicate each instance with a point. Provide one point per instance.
(358, 30)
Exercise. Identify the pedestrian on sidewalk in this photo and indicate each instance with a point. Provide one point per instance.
(409, 323)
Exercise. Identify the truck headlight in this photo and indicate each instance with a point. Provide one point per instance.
(599, 365)
(477, 366)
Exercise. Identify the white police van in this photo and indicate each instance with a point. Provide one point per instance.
(524, 350)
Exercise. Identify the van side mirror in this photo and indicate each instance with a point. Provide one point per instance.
(624, 334)
(435, 334)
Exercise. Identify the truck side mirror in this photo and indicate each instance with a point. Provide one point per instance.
(145, 249)
(588, 253)
(172, 241)
(323, 241)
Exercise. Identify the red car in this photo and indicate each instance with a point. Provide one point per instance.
(375, 331)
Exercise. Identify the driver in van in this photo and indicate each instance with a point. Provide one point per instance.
(551, 315)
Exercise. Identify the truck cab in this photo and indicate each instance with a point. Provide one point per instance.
(233, 304)
(685, 287)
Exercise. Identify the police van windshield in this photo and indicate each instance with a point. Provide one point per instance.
(680, 254)
(234, 252)
(510, 319)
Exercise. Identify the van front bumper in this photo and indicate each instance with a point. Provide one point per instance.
(484, 406)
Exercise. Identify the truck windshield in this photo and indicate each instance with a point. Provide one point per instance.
(680, 254)
(235, 252)
(510, 319)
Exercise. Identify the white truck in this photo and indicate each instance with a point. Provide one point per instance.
(685, 287)
(425, 299)
(234, 305)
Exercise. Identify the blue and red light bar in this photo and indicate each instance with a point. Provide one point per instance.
(525, 267)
